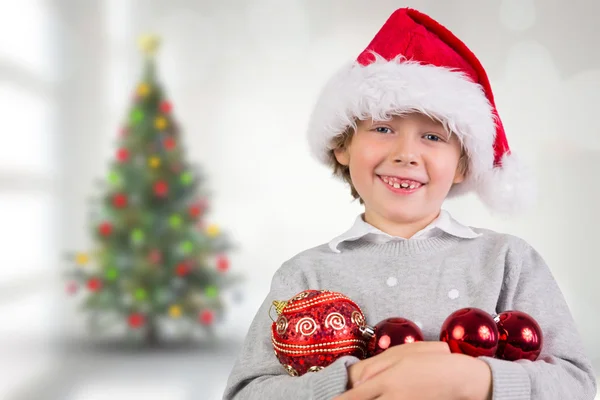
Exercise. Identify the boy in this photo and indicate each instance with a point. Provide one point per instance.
(412, 122)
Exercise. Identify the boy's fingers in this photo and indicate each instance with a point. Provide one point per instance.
(385, 360)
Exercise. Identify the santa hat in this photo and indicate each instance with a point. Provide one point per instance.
(414, 64)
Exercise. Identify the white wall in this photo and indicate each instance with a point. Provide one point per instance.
(243, 76)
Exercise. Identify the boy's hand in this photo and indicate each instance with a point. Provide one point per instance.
(425, 376)
(366, 369)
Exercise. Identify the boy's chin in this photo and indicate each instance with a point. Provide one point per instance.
(407, 215)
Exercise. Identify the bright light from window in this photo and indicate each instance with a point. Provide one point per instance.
(27, 133)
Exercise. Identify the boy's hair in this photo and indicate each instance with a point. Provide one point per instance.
(342, 141)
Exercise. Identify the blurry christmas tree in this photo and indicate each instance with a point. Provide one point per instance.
(154, 257)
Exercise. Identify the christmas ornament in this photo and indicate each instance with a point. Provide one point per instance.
(161, 188)
(165, 107)
(143, 89)
(182, 269)
(137, 116)
(169, 143)
(195, 211)
(105, 229)
(187, 247)
(72, 288)
(137, 236)
(120, 200)
(136, 320)
(140, 294)
(206, 317)
(160, 123)
(211, 292)
(82, 258)
(470, 331)
(154, 162)
(175, 311)
(175, 221)
(122, 155)
(520, 336)
(315, 328)
(114, 178)
(222, 263)
(149, 44)
(94, 284)
(111, 274)
(391, 332)
(213, 230)
(186, 178)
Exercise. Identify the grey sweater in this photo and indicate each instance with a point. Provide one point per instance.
(424, 281)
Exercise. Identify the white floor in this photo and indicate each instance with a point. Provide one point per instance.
(34, 366)
(184, 374)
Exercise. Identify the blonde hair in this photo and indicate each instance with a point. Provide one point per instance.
(343, 140)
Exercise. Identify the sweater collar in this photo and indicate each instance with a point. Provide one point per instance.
(443, 224)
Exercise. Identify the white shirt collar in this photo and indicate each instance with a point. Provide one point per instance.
(443, 223)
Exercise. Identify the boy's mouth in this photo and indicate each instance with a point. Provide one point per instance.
(399, 183)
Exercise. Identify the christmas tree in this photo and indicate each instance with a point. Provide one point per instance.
(154, 258)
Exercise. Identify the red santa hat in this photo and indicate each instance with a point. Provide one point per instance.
(414, 64)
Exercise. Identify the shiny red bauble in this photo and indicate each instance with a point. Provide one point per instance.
(392, 332)
(315, 328)
(520, 336)
(470, 331)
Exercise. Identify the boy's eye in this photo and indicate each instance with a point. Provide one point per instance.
(433, 137)
(383, 129)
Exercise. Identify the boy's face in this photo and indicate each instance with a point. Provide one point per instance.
(403, 168)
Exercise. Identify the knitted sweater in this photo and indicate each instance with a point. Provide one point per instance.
(424, 281)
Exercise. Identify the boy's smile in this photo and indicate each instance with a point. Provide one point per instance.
(403, 169)
(401, 185)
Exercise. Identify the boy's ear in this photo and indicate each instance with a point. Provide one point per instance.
(342, 156)
(461, 169)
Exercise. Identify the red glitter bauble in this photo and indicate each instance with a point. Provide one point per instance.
(470, 331)
(520, 336)
(315, 328)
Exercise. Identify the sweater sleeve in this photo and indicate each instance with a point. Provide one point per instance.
(562, 371)
(257, 374)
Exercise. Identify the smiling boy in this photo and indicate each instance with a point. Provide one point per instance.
(410, 123)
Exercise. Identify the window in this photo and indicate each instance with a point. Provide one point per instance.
(28, 140)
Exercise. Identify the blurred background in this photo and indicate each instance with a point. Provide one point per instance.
(242, 77)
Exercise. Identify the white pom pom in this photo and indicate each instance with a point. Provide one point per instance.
(509, 189)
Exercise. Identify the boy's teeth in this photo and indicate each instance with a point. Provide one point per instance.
(396, 183)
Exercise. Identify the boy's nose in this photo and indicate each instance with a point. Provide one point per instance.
(406, 159)
(406, 150)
